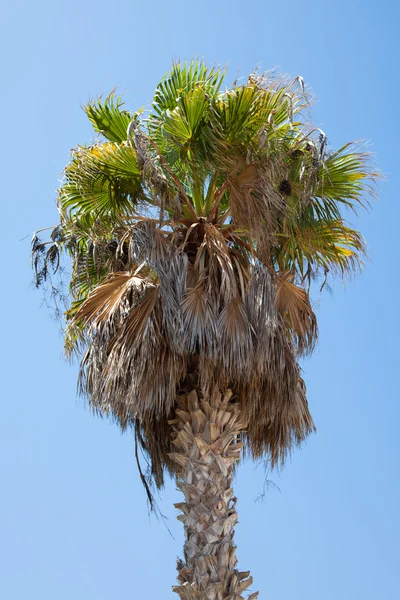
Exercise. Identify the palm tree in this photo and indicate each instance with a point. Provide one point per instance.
(194, 236)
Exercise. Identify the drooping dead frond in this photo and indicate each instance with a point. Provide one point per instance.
(235, 338)
(277, 420)
(293, 304)
(133, 329)
(107, 298)
(214, 258)
(200, 320)
(151, 245)
(115, 371)
(261, 310)
(256, 203)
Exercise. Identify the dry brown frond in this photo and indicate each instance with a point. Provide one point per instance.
(199, 319)
(152, 246)
(256, 203)
(293, 304)
(134, 327)
(277, 411)
(235, 338)
(106, 299)
(221, 316)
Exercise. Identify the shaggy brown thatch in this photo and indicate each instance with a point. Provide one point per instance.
(144, 330)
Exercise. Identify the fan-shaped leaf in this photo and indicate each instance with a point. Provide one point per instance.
(108, 119)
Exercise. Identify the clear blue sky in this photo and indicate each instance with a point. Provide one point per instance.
(73, 518)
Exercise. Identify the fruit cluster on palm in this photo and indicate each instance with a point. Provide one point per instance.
(194, 234)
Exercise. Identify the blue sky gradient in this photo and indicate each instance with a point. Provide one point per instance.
(73, 521)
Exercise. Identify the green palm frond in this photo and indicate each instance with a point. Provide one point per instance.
(182, 79)
(181, 128)
(344, 177)
(108, 118)
(321, 244)
(247, 110)
(101, 181)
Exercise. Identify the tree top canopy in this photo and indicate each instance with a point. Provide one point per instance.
(194, 231)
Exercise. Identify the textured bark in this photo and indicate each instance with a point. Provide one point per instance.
(206, 438)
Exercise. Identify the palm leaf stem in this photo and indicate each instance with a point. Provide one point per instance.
(175, 179)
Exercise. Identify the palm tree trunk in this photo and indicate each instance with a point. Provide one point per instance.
(206, 437)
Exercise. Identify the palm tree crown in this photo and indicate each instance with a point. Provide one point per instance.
(194, 233)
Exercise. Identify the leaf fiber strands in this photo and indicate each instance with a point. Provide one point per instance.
(206, 434)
